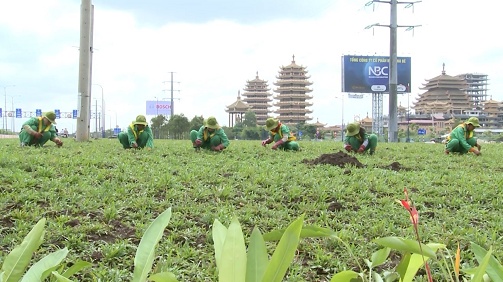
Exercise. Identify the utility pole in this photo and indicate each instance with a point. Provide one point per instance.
(85, 58)
(393, 121)
(172, 102)
(4, 114)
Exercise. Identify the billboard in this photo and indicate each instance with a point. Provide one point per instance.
(370, 74)
(158, 108)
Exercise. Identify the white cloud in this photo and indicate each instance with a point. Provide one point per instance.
(213, 60)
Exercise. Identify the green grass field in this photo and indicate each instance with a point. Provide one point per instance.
(98, 200)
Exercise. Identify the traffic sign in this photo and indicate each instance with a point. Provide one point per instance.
(19, 113)
(421, 131)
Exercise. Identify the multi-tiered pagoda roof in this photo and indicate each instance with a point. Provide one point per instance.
(292, 94)
(444, 94)
(257, 96)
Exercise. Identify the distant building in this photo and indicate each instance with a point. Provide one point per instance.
(236, 111)
(257, 96)
(292, 94)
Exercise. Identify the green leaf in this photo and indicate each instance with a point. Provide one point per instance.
(257, 258)
(379, 257)
(284, 253)
(60, 277)
(163, 277)
(306, 232)
(16, 261)
(481, 270)
(145, 253)
(76, 267)
(345, 276)
(233, 259)
(218, 233)
(49, 262)
(494, 268)
(405, 245)
(415, 262)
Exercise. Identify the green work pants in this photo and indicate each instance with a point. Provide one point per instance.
(212, 142)
(288, 145)
(454, 146)
(141, 141)
(355, 143)
(28, 140)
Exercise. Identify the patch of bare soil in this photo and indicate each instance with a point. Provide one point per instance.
(340, 159)
(395, 166)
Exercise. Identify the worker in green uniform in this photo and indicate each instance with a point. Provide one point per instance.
(138, 135)
(357, 140)
(38, 130)
(461, 138)
(210, 136)
(281, 135)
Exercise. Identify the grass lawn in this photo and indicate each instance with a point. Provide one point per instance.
(98, 200)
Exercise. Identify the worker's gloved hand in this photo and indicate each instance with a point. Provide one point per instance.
(37, 135)
(347, 148)
(58, 142)
(361, 149)
(134, 145)
(277, 144)
(198, 142)
(218, 148)
(265, 142)
(477, 152)
(478, 146)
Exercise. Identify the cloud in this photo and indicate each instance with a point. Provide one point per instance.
(213, 56)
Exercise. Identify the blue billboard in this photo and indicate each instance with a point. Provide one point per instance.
(38, 112)
(19, 113)
(158, 108)
(370, 74)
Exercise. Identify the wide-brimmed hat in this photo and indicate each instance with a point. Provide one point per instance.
(51, 116)
(212, 123)
(352, 129)
(271, 123)
(140, 119)
(473, 121)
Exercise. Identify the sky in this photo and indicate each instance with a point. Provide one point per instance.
(214, 46)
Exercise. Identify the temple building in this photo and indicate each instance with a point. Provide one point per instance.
(292, 94)
(236, 111)
(444, 94)
(493, 113)
(257, 96)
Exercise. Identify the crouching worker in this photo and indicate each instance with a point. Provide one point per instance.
(210, 136)
(357, 140)
(281, 136)
(138, 135)
(461, 139)
(38, 130)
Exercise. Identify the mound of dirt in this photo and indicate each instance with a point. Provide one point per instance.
(395, 166)
(340, 159)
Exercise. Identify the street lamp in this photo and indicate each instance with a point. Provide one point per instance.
(5, 108)
(342, 116)
(408, 118)
(102, 112)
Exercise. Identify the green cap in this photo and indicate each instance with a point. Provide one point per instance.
(212, 123)
(271, 123)
(473, 121)
(352, 129)
(51, 116)
(140, 119)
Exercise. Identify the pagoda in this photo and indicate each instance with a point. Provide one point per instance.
(292, 94)
(257, 95)
(236, 111)
(493, 113)
(446, 93)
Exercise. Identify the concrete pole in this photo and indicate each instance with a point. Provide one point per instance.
(393, 120)
(84, 96)
(172, 105)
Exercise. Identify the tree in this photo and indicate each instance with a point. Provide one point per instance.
(196, 123)
(178, 126)
(250, 119)
(156, 124)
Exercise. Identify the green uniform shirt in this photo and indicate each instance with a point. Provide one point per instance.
(133, 134)
(220, 133)
(462, 134)
(38, 123)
